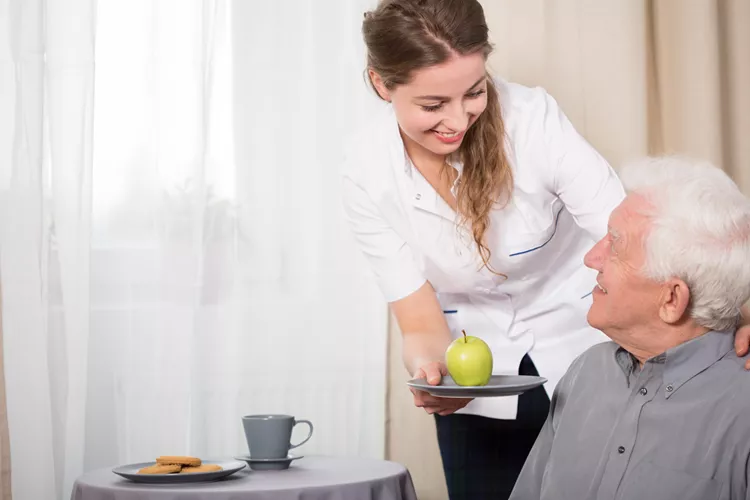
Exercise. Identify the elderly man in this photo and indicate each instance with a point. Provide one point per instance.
(662, 411)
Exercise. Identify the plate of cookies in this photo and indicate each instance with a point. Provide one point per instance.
(170, 469)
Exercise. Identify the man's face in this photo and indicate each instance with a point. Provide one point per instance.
(625, 302)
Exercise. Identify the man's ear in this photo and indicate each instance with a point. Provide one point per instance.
(674, 301)
(379, 84)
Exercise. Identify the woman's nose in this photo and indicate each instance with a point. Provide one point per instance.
(457, 118)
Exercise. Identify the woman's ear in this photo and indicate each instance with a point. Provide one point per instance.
(379, 84)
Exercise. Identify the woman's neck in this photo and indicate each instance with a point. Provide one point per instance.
(433, 168)
(425, 160)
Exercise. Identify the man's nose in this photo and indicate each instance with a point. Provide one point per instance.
(593, 258)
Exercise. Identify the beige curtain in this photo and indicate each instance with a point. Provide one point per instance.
(636, 77)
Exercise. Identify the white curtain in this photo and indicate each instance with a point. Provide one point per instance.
(172, 251)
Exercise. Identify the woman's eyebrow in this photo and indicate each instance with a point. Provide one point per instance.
(443, 98)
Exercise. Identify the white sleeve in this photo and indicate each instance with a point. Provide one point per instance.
(389, 256)
(579, 175)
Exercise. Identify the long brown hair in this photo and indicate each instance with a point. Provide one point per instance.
(403, 36)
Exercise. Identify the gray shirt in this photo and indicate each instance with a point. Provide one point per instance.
(677, 428)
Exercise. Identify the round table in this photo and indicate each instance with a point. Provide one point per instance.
(309, 478)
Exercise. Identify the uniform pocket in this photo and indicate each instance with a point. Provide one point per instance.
(648, 480)
(530, 242)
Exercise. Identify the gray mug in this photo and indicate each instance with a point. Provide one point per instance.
(269, 436)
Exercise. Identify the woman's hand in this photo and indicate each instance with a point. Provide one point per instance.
(742, 337)
(433, 372)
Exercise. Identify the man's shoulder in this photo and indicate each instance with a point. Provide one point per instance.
(733, 368)
(597, 359)
(602, 351)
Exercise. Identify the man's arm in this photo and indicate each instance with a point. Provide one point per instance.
(529, 483)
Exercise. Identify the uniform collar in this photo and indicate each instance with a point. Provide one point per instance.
(423, 195)
(426, 198)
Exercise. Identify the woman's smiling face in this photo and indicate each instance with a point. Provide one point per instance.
(439, 104)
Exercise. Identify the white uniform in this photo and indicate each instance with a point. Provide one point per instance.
(563, 194)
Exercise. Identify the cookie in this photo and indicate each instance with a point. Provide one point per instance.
(160, 469)
(179, 460)
(201, 468)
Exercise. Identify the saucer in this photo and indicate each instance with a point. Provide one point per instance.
(268, 463)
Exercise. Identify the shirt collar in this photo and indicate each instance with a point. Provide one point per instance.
(683, 362)
(693, 357)
(626, 362)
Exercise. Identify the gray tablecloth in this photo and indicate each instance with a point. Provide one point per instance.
(309, 478)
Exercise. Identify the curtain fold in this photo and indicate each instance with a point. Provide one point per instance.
(702, 66)
(24, 251)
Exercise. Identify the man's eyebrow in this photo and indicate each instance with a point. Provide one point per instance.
(443, 98)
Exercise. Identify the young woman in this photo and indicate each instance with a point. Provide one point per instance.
(474, 201)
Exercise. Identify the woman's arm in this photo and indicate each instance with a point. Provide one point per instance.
(413, 300)
(425, 332)
(425, 338)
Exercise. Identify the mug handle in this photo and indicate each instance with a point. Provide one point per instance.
(309, 424)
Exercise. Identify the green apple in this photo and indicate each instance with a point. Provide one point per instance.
(469, 361)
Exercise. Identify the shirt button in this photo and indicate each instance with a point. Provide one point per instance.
(621, 450)
(644, 391)
(417, 196)
(670, 388)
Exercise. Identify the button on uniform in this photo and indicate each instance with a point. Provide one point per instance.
(643, 391)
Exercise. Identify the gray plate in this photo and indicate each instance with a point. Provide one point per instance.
(131, 472)
(498, 386)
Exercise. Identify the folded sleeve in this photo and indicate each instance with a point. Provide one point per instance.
(388, 254)
(578, 175)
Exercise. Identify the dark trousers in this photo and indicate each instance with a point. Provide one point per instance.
(482, 457)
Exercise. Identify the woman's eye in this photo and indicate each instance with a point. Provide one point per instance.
(432, 108)
(436, 107)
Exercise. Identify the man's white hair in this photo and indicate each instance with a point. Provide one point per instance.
(700, 233)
